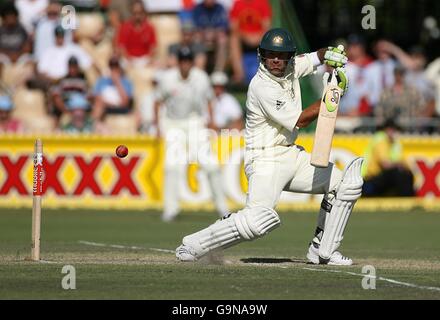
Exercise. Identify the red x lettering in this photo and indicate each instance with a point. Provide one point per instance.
(125, 176)
(13, 179)
(51, 180)
(88, 176)
(430, 175)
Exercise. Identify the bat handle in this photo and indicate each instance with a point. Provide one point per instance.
(342, 48)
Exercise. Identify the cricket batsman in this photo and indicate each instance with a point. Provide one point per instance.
(274, 163)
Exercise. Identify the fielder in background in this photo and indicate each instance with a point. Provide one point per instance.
(273, 162)
(227, 111)
(187, 95)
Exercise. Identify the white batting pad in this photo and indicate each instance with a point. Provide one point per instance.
(247, 224)
(349, 190)
(256, 222)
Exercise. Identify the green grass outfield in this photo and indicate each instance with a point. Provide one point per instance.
(115, 256)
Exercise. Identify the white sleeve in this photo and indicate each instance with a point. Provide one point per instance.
(272, 107)
(304, 65)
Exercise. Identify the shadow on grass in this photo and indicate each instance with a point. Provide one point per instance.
(273, 260)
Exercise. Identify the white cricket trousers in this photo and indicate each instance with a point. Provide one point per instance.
(276, 169)
(187, 142)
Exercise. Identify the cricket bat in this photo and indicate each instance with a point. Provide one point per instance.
(325, 127)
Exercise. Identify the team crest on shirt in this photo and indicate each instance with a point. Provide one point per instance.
(280, 104)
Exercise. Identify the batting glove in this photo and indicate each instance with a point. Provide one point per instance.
(337, 78)
(336, 57)
(342, 79)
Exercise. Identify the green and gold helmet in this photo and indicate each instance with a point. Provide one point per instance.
(277, 40)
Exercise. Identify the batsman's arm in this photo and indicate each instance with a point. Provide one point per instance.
(321, 54)
(309, 115)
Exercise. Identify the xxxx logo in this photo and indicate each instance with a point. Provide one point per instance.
(430, 173)
(86, 175)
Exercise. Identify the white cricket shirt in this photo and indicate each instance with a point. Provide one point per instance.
(184, 97)
(274, 105)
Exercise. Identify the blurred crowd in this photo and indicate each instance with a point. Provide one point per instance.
(391, 84)
(100, 75)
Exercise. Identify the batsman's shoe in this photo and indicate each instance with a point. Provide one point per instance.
(336, 259)
(185, 253)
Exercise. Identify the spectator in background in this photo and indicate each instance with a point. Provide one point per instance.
(73, 83)
(415, 63)
(15, 44)
(83, 5)
(53, 64)
(80, 121)
(7, 123)
(211, 21)
(249, 20)
(355, 102)
(379, 75)
(30, 11)
(45, 30)
(118, 12)
(384, 172)
(113, 94)
(227, 112)
(188, 40)
(433, 75)
(136, 38)
(401, 102)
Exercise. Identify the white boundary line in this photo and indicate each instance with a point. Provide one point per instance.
(406, 284)
(117, 246)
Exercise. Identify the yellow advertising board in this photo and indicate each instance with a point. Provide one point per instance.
(84, 172)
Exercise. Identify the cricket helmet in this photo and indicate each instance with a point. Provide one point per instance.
(277, 40)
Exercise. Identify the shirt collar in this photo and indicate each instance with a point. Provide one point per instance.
(283, 81)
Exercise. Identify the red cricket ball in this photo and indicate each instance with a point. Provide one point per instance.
(121, 151)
